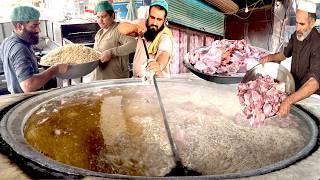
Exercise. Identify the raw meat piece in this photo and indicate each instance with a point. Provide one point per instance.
(201, 66)
(261, 98)
(226, 56)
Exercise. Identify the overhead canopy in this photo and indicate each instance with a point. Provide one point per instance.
(226, 6)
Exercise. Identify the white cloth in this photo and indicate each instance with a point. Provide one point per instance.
(143, 12)
(307, 6)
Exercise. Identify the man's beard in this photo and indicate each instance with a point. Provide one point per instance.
(151, 34)
(302, 36)
(30, 37)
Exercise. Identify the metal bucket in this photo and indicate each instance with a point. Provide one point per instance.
(274, 70)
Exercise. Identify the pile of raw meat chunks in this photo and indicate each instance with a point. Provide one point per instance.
(225, 57)
(261, 98)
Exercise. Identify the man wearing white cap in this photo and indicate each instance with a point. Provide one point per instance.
(304, 47)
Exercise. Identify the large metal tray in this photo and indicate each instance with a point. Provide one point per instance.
(217, 78)
(77, 70)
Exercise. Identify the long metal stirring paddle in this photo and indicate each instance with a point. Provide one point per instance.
(180, 169)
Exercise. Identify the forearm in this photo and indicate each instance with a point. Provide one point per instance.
(277, 57)
(128, 47)
(128, 28)
(158, 65)
(37, 81)
(163, 59)
(308, 88)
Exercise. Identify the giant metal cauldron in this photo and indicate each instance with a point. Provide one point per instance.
(14, 122)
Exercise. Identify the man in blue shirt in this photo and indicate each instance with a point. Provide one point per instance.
(17, 55)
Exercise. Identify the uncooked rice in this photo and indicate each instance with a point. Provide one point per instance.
(70, 54)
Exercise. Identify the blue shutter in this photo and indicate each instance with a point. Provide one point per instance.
(197, 15)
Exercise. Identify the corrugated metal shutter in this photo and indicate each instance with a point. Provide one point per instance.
(196, 14)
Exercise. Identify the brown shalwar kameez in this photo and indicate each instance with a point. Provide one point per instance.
(121, 46)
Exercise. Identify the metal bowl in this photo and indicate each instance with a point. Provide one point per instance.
(217, 78)
(274, 70)
(77, 70)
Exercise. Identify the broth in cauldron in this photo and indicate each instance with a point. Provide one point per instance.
(119, 130)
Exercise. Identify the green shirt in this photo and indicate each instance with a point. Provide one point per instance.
(121, 46)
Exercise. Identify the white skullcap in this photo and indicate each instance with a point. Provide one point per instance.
(307, 6)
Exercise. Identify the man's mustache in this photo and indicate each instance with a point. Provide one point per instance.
(33, 34)
(154, 26)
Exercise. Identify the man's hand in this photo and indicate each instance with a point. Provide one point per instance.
(154, 66)
(61, 68)
(284, 108)
(106, 56)
(278, 57)
(135, 28)
(141, 27)
(265, 59)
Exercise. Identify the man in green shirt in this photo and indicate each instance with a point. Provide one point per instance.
(115, 47)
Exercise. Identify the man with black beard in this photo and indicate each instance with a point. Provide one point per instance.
(304, 47)
(17, 55)
(158, 40)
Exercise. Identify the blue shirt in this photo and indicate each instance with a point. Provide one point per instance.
(1, 67)
(19, 62)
